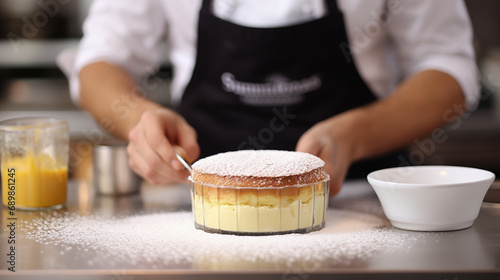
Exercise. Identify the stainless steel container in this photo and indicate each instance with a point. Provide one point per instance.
(112, 174)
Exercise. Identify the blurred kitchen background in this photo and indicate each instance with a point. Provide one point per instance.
(34, 32)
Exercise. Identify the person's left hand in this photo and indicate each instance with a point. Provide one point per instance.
(325, 141)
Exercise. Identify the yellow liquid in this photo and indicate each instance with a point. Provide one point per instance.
(38, 181)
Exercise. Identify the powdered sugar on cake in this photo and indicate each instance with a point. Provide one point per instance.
(259, 163)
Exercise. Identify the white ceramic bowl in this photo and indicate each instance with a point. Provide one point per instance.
(431, 198)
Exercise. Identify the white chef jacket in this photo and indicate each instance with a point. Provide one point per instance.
(390, 39)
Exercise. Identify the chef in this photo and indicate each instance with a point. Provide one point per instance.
(351, 81)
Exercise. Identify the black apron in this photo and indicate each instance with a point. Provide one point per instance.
(262, 88)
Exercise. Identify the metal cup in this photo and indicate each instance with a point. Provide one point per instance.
(112, 174)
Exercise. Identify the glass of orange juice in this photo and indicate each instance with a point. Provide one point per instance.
(34, 155)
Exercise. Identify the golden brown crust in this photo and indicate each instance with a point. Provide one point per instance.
(259, 178)
(314, 176)
(259, 191)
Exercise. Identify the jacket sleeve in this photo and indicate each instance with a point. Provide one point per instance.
(436, 35)
(126, 33)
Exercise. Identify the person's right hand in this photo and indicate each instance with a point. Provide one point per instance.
(151, 142)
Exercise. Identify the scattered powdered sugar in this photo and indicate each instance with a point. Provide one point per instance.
(169, 240)
(258, 163)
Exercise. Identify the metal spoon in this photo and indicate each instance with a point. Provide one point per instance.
(183, 159)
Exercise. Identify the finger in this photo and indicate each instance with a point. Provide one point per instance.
(171, 130)
(163, 148)
(335, 166)
(327, 154)
(139, 165)
(153, 167)
(142, 168)
(321, 146)
(309, 143)
(133, 165)
(188, 141)
(335, 188)
(156, 127)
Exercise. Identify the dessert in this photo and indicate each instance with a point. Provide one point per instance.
(259, 192)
